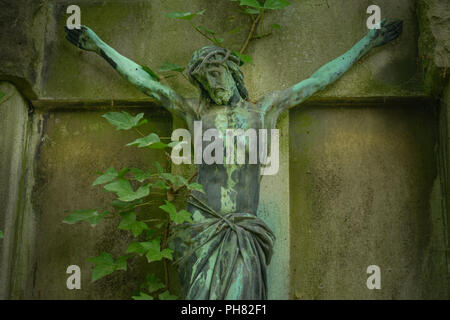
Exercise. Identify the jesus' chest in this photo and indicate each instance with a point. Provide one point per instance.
(226, 118)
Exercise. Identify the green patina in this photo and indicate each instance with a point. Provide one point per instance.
(224, 253)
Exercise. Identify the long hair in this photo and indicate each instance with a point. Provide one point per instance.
(205, 55)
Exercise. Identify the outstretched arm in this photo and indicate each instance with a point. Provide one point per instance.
(276, 103)
(86, 39)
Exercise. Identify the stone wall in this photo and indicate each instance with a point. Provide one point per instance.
(367, 193)
(360, 180)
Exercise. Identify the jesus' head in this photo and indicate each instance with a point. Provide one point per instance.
(216, 72)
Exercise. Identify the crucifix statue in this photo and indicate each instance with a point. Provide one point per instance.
(225, 252)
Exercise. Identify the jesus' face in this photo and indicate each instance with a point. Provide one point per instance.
(217, 80)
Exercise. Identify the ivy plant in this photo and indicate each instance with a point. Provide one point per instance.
(254, 9)
(133, 188)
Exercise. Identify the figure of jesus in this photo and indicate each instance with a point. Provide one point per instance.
(225, 252)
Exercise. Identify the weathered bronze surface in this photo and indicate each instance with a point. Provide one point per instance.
(224, 254)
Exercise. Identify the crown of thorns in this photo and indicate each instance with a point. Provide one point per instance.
(204, 55)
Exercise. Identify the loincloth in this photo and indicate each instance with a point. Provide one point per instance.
(223, 257)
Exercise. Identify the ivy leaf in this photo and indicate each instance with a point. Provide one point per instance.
(276, 4)
(251, 3)
(122, 172)
(169, 177)
(122, 205)
(152, 283)
(108, 176)
(103, 258)
(151, 141)
(123, 120)
(243, 57)
(154, 252)
(171, 67)
(206, 29)
(180, 180)
(137, 247)
(140, 175)
(105, 265)
(177, 217)
(182, 216)
(142, 296)
(151, 73)
(185, 15)
(121, 263)
(121, 187)
(234, 30)
(161, 185)
(159, 168)
(124, 191)
(251, 11)
(196, 186)
(175, 180)
(130, 223)
(169, 208)
(91, 216)
(149, 233)
(140, 193)
(167, 296)
(173, 144)
(1, 234)
(276, 26)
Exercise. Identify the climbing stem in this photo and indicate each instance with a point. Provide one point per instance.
(252, 32)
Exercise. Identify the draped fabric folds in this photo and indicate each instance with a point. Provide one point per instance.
(223, 256)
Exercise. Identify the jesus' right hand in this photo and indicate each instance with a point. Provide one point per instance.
(84, 38)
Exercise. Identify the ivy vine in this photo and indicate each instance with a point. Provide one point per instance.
(133, 189)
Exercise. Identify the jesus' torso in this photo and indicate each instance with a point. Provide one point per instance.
(231, 187)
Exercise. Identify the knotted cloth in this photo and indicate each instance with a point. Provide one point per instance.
(223, 256)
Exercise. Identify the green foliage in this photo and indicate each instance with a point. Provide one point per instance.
(243, 57)
(166, 67)
(276, 26)
(151, 141)
(141, 175)
(122, 187)
(152, 73)
(276, 4)
(142, 296)
(196, 186)
(91, 216)
(130, 223)
(176, 216)
(2, 94)
(253, 8)
(251, 3)
(167, 296)
(185, 15)
(133, 190)
(124, 121)
(105, 265)
(268, 4)
(152, 283)
(151, 250)
(1, 234)
(108, 176)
